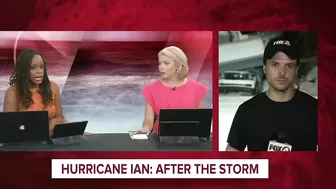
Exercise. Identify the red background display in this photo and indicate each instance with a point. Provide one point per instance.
(287, 170)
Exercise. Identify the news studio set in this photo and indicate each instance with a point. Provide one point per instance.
(101, 79)
(162, 94)
(246, 83)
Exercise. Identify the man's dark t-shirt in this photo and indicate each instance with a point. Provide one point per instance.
(257, 121)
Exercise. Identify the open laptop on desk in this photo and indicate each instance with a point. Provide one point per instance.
(184, 125)
(24, 127)
(69, 133)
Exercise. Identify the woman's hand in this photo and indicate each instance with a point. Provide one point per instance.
(60, 120)
(140, 131)
(87, 134)
(52, 124)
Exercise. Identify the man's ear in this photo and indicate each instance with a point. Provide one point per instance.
(264, 69)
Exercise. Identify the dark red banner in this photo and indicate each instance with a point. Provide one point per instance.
(297, 170)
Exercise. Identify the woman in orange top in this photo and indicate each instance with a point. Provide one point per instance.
(31, 90)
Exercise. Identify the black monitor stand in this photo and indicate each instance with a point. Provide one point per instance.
(68, 140)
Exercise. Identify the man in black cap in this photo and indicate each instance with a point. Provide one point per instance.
(282, 118)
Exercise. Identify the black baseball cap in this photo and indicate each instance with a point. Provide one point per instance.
(280, 44)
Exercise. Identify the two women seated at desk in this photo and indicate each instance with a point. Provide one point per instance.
(31, 90)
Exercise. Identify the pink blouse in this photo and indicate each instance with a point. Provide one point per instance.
(159, 96)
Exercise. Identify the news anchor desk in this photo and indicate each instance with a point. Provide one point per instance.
(112, 142)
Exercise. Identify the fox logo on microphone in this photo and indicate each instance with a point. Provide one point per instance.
(274, 146)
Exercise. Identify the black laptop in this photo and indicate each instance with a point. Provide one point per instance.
(185, 123)
(69, 129)
(69, 133)
(24, 127)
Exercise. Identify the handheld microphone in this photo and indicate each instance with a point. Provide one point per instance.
(174, 88)
(279, 143)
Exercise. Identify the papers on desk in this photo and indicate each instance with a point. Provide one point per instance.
(139, 137)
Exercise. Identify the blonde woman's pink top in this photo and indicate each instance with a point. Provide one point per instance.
(159, 96)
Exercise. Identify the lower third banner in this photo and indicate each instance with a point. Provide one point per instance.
(159, 168)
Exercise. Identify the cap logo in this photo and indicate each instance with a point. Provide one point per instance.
(282, 42)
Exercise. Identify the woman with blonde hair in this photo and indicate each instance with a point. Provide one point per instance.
(173, 90)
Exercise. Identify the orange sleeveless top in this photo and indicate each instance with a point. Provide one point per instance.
(38, 106)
